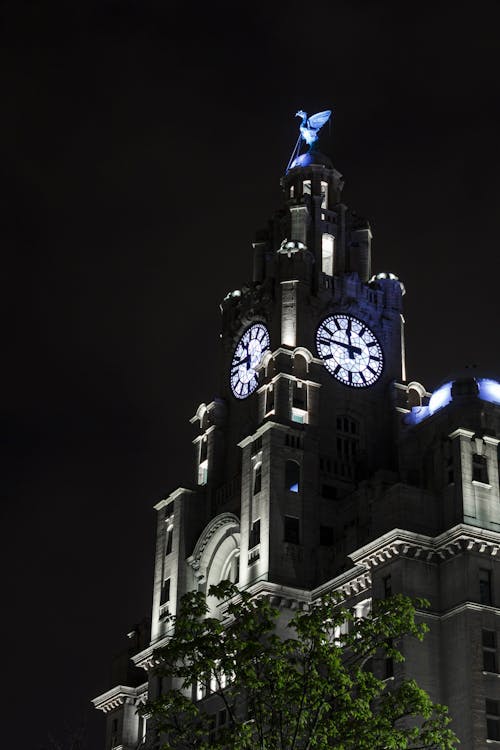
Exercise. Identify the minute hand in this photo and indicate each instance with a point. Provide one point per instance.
(352, 349)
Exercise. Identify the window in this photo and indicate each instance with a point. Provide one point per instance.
(327, 245)
(347, 445)
(306, 187)
(257, 478)
(299, 402)
(292, 191)
(142, 729)
(492, 720)
(450, 472)
(485, 593)
(254, 539)
(389, 664)
(489, 640)
(291, 528)
(231, 569)
(203, 462)
(292, 476)
(165, 592)
(326, 536)
(203, 472)
(269, 399)
(479, 469)
(293, 441)
(256, 446)
(114, 733)
(168, 542)
(217, 722)
(324, 194)
(387, 582)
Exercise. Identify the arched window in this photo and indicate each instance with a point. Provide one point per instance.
(257, 478)
(231, 568)
(327, 247)
(292, 476)
(203, 461)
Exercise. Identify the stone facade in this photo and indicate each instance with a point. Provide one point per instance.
(311, 483)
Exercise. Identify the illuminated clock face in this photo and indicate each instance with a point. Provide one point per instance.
(350, 350)
(246, 358)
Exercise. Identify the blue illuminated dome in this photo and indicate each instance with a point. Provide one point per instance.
(312, 157)
(486, 389)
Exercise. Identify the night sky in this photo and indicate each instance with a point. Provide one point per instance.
(142, 147)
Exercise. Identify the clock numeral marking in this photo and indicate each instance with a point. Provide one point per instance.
(374, 372)
(350, 376)
(375, 359)
(336, 371)
(372, 343)
(362, 376)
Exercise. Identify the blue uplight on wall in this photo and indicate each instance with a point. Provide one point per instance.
(488, 390)
(294, 487)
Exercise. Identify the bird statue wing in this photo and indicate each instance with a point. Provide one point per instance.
(318, 120)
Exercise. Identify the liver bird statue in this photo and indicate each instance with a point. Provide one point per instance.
(309, 129)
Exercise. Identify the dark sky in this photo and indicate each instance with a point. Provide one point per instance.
(142, 146)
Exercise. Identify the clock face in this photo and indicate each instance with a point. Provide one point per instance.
(246, 358)
(350, 351)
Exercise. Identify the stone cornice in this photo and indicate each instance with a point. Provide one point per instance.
(119, 695)
(350, 583)
(146, 658)
(176, 493)
(460, 538)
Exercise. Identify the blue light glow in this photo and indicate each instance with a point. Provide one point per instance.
(440, 398)
(489, 390)
(294, 487)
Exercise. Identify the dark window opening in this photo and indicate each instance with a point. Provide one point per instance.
(479, 469)
(254, 539)
(326, 536)
(489, 641)
(291, 529)
(485, 590)
(165, 592)
(256, 446)
(492, 719)
(168, 544)
(292, 476)
(269, 399)
(387, 581)
(203, 450)
(257, 479)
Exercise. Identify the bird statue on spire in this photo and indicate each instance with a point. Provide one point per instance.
(309, 129)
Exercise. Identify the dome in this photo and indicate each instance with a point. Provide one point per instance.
(310, 158)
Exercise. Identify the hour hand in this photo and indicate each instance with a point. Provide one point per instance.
(243, 361)
(352, 349)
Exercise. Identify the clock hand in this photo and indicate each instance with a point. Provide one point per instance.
(352, 349)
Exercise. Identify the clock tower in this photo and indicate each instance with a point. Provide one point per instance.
(319, 467)
(312, 349)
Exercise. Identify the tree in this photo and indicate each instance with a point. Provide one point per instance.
(309, 686)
